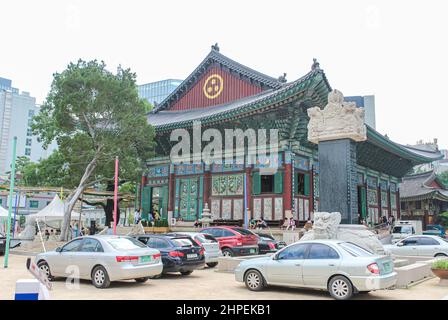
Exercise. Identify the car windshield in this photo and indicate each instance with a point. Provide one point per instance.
(402, 229)
(122, 244)
(182, 242)
(244, 232)
(355, 250)
(205, 238)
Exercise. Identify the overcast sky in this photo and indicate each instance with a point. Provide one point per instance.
(396, 50)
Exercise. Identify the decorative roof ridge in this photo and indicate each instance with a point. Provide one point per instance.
(428, 173)
(216, 56)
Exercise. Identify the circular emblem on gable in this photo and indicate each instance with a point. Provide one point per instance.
(213, 86)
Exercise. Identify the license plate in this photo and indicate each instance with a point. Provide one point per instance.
(252, 250)
(192, 256)
(144, 259)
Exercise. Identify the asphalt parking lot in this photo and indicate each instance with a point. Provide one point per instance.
(205, 284)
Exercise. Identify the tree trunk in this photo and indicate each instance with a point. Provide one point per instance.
(109, 208)
(74, 196)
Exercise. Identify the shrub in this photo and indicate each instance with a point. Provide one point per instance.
(161, 223)
(444, 218)
(440, 264)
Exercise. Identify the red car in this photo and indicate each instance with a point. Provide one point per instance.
(234, 241)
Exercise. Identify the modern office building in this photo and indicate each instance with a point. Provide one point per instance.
(16, 112)
(368, 103)
(156, 92)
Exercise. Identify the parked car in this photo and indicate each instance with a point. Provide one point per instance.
(340, 267)
(179, 253)
(2, 244)
(234, 241)
(102, 259)
(210, 245)
(435, 230)
(268, 244)
(404, 228)
(422, 245)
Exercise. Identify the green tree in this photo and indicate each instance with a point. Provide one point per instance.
(443, 177)
(95, 116)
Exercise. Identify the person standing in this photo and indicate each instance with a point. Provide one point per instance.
(137, 216)
(292, 224)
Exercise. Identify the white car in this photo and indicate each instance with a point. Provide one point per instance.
(102, 259)
(419, 245)
(340, 267)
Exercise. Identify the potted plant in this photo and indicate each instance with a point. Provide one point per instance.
(440, 268)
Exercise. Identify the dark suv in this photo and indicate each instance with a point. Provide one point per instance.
(179, 253)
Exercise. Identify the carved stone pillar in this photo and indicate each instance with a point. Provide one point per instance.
(336, 129)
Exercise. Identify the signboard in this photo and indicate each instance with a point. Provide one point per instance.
(35, 271)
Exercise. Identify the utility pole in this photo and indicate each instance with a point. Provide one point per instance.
(116, 195)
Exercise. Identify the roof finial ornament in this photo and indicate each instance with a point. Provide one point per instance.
(282, 78)
(215, 47)
(316, 65)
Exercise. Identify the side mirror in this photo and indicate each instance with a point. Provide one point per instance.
(400, 244)
(58, 249)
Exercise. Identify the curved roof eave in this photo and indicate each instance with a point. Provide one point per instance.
(216, 113)
(415, 155)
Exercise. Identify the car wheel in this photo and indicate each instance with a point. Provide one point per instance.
(100, 278)
(141, 280)
(227, 253)
(186, 273)
(45, 269)
(440, 255)
(254, 280)
(212, 264)
(156, 276)
(340, 288)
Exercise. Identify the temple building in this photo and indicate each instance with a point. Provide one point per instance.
(327, 158)
(423, 197)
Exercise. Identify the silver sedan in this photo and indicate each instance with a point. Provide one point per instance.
(342, 268)
(210, 245)
(101, 259)
(421, 245)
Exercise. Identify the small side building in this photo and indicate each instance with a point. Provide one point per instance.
(423, 197)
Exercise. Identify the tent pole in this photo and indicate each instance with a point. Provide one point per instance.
(40, 234)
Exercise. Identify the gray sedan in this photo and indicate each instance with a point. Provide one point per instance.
(101, 259)
(342, 268)
(421, 245)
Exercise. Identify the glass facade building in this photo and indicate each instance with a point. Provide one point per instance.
(158, 91)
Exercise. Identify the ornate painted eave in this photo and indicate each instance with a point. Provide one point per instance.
(214, 57)
(313, 86)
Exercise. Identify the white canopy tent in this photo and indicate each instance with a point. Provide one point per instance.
(55, 211)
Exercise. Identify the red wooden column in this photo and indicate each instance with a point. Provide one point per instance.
(171, 189)
(207, 187)
(249, 191)
(287, 188)
(398, 204)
